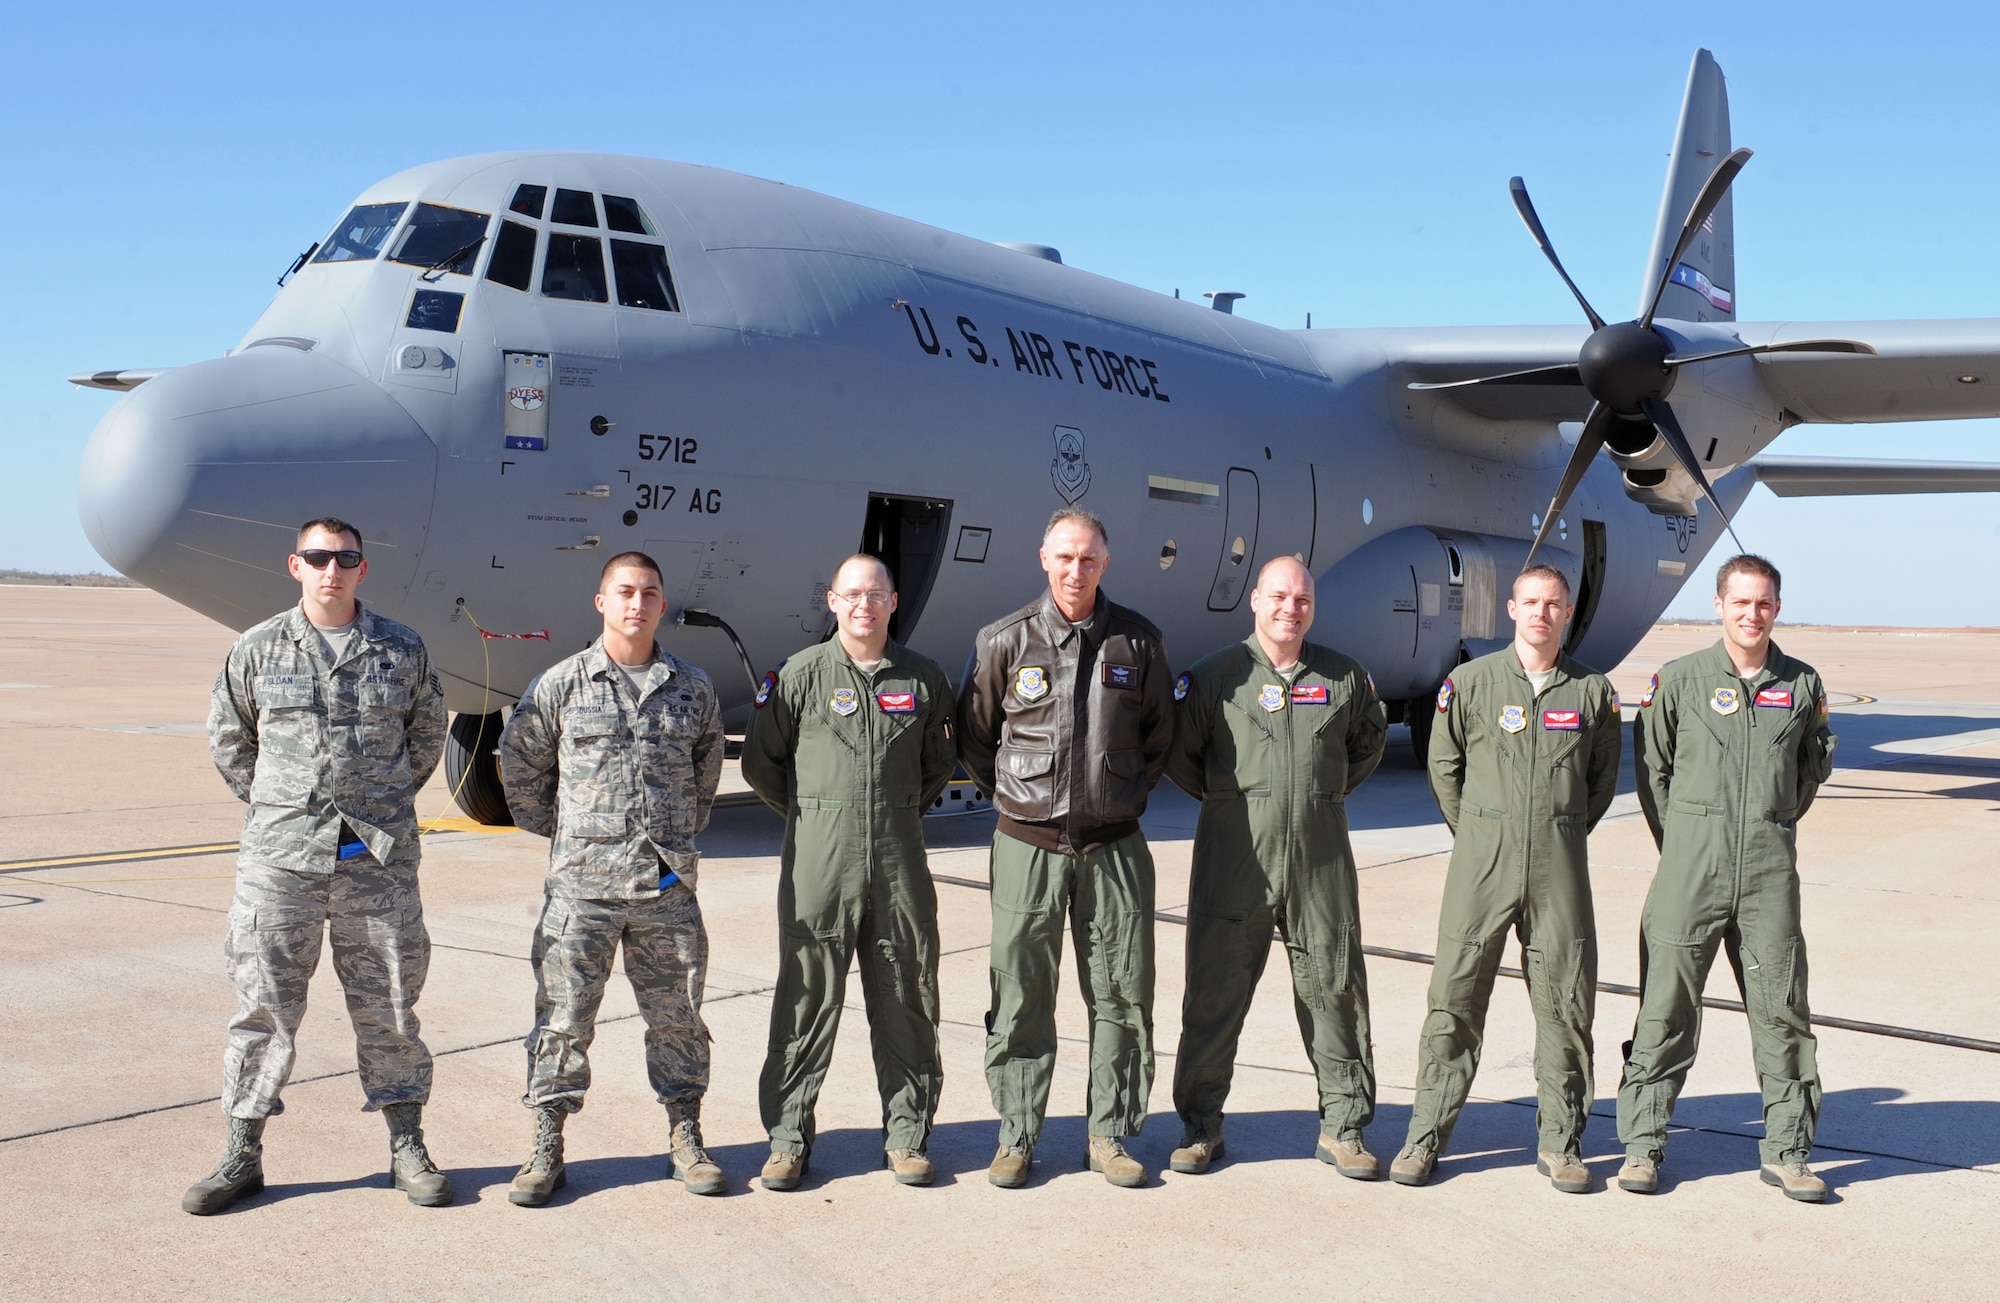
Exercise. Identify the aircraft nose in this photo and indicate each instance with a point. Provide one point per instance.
(195, 483)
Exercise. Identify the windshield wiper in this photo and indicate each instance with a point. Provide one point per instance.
(434, 273)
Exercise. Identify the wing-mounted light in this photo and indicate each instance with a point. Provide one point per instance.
(121, 382)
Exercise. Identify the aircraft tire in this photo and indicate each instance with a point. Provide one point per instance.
(1420, 718)
(471, 746)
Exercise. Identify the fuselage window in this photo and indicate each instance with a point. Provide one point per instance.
(513, 261)
(360, 234)
(574, 208)
(439, 235)
(622, 214)
(434, 310)
(644, 280)
(575, 268)
(528, 201)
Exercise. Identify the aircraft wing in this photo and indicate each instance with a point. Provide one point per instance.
(1921, 371)
(1822, 477)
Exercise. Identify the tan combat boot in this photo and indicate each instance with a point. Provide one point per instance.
(1414, 1165)
(544, 1173)
(240, 1173)
(1641, 1174)
(410, 1167)
(1107, 1155)
(1349, 1157)
(691, 1163)
(783, 1171)
(1796, 1180)
(1196, 1155)
(1010, 1166)
(911, 1166)
(1566, 1172)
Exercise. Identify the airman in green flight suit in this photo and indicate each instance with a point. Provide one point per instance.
(1732, 745)
(1524, 762)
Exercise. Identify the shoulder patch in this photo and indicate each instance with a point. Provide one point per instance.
(1652, 689)
(1615, 707)
(1444, 697)
(1181, 686)
(765, 688)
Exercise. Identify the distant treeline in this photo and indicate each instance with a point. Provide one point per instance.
(92, 580)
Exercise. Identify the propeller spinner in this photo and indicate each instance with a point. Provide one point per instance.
(1629, 367)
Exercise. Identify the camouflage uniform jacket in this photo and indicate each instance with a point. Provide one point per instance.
(618, 785)
(310, 745)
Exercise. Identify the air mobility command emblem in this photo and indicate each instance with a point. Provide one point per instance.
(1271, 697)
(1726, 701)
(1444, 697)
(764, 689)
(1181, 686)
(1031, 683)
(844, 701)
(1513, 718)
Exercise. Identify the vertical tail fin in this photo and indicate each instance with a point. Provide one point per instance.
(1703, 286)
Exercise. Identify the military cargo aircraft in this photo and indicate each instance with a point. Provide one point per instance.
(507, 368)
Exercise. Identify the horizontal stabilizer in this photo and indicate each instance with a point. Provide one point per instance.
(1826, 477)
(117, 381)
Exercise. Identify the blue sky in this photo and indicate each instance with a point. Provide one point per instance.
(167, 162)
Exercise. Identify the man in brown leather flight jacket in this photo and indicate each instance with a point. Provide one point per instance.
(1066, 717)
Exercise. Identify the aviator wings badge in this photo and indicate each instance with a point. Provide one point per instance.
(1069, 470)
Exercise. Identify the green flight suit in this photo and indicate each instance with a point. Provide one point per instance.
(852, 760)
(1522, 777)
(1726, 767)
(1272, 763)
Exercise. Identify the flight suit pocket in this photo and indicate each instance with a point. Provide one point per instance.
(1569, 793)
(1320, 971)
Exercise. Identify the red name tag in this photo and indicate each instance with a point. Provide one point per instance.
(1781, 698)
(897, 703)
(1309, 695)
(1563, 721)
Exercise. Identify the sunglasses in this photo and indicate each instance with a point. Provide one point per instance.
(317, 557)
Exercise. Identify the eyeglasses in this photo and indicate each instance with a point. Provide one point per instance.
(317, 557)
(874, 597)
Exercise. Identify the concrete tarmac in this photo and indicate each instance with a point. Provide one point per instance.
(115, 1002)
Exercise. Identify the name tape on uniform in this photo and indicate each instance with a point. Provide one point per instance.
(897, 703)
(1120, 676)
(1562, 721)
(1309, 694)
(1776, 698)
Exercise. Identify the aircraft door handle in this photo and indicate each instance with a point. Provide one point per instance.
(589, 541)
(594, 491)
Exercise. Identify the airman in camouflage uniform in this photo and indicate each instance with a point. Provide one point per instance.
(1732, 745)
(852, 742)
(614, 754)
(326, 720)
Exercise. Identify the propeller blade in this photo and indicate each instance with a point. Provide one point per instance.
(1587, 444)
(1526, 208)
(1564, 374)
(1670, 429)
(1711, 194)
(1802, 346)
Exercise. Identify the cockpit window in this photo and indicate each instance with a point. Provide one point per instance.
(528, 201)
(575, 267)
(438, 235)
(575, 208)
(513, 260)
(360, 234)
(622, 214)
(644, 280)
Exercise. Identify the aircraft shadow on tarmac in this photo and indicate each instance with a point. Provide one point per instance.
(1897, 743)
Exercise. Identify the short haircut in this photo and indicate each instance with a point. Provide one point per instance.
(332, 525)
(1748, 563)
(636, 560)
(1287, 559)
(887, 573)
(1547, 572)
(1088, 519)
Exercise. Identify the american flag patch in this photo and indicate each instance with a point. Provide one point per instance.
(1778, 698)
(1562, 721)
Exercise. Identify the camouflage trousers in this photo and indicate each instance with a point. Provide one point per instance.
(380, 953)
(666, 960)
